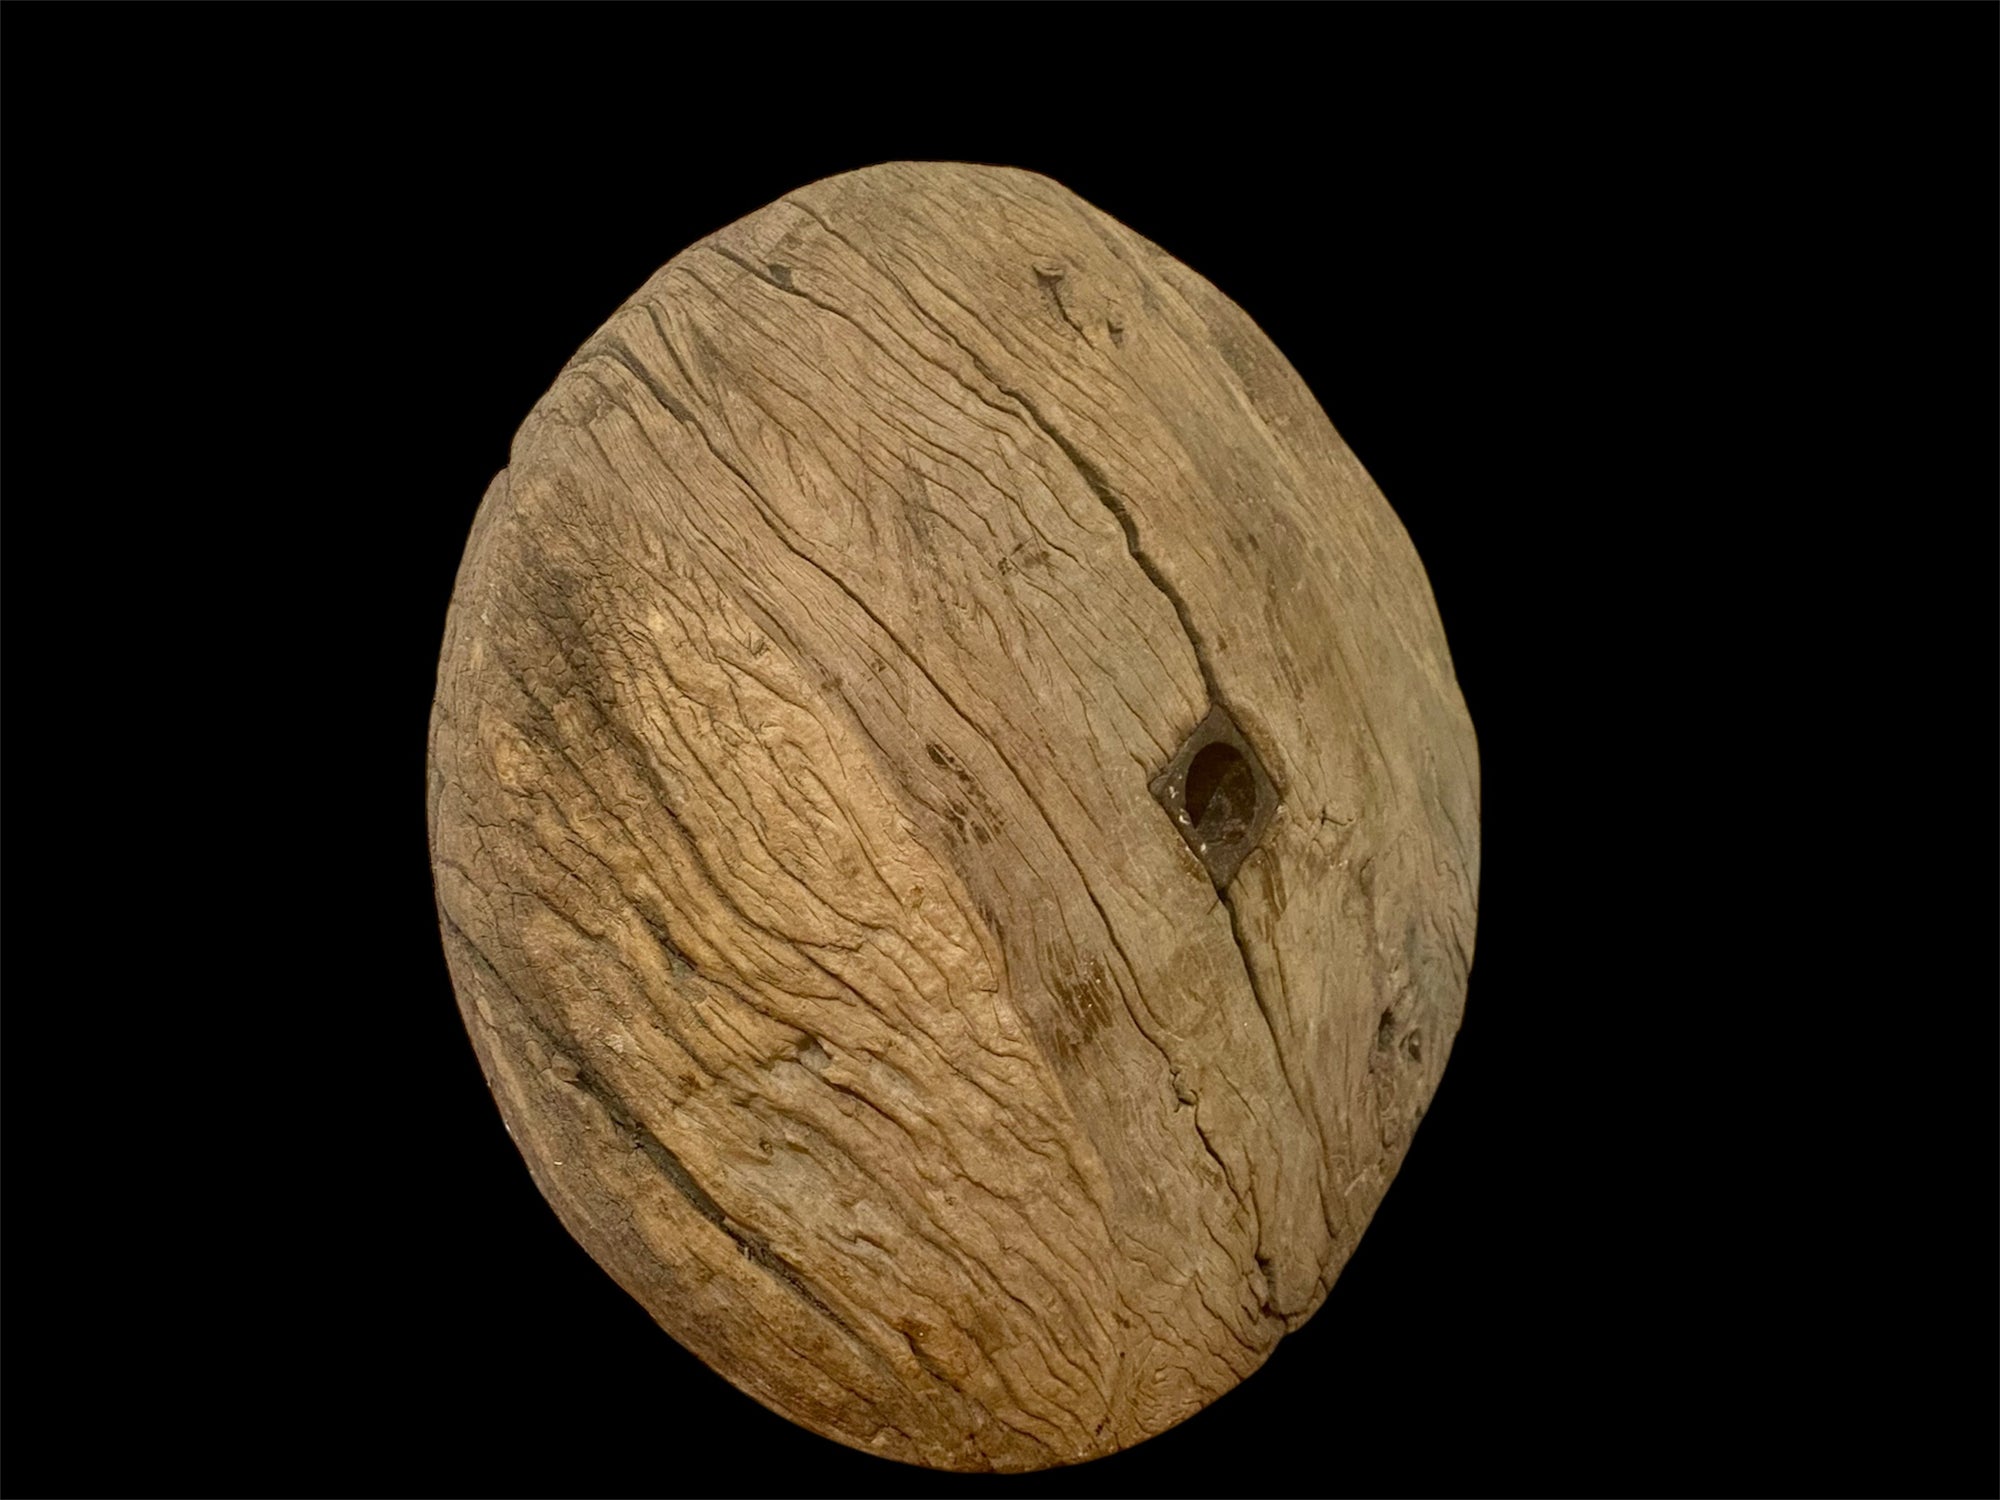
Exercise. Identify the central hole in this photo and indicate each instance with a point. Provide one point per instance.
(1221, 797)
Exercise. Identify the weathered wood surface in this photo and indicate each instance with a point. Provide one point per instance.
(847, 990)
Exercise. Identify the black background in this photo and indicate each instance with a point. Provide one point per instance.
(1669, 333)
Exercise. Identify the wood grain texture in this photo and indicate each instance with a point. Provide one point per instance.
(850, 995)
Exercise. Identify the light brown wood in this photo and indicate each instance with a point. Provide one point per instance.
(811, 673)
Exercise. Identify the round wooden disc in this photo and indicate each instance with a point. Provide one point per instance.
(955, 832)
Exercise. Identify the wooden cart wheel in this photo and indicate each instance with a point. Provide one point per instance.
(955, 832)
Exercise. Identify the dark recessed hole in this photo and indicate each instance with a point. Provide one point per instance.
(1218, 794)
(1221, 796)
